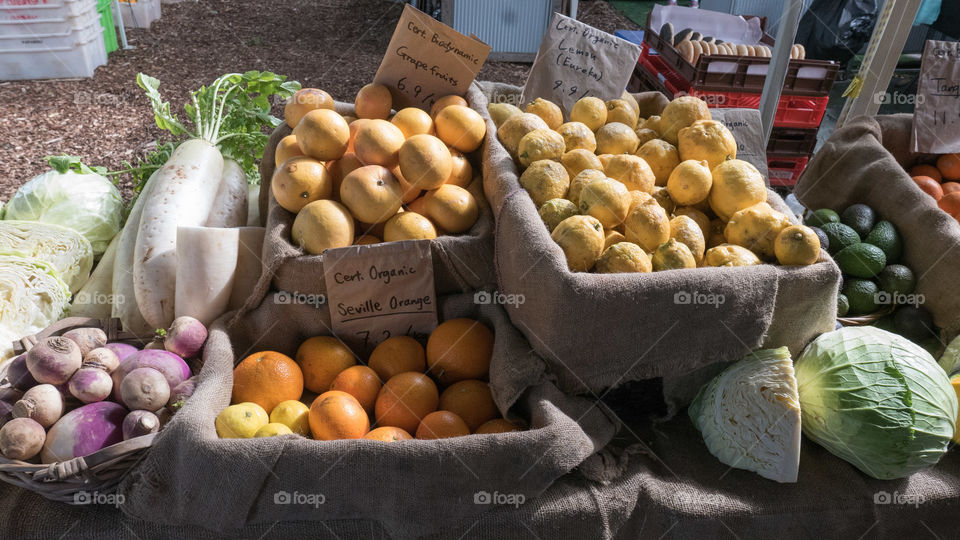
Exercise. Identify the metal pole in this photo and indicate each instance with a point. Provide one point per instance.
(779, 62)
(118, 21)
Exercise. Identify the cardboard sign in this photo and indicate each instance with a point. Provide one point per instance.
(576, 60)
(745, 125)
(936, 117)
(378, 291)
(427, 60)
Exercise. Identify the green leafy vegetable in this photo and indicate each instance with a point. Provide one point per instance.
(64, 249)
(65, 163)
(32, 297)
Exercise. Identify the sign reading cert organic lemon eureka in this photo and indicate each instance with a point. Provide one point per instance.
(936, 116)
(380, 290)
(576, 60)
(745, 126)
(427, 60)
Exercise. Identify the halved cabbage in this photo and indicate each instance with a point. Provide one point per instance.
(749, 415)
(65, 249)
(32, 296)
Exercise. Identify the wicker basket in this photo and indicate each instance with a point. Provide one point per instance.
(864, 320)
(79, 480)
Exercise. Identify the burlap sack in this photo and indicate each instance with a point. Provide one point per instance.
(192, 477)
(864, 162)
(461, 262)
(598, 331)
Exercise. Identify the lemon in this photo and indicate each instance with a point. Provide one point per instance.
(736, 185)
(547, 110)
(652, 123)
(501, 112)
(619, 110)
(685, 230)
(647, 225)
(756, 228)
(634, 172)
(645, 135)
(583, 178)
(617, 138)
(241, 421)
(515, 127)
(661, 156)
(797, 245)
(540, 144)
(555, 211)
(591, 111)
(638, 197)
(293, 414)
(730, 255)
(707, 140)
(632, 101)
(607, 200)
(662, 196)
(545, 180)
(623, 257)
(611, 237)
(680, 113)
(578, 160)
(577, 135)
(672, 255)
(273, 429)
(690, 182)
(702, 220)
(581, 239)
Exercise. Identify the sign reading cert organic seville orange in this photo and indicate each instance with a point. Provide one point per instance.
(427, 60)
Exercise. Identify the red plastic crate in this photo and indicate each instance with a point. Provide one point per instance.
(784, 171)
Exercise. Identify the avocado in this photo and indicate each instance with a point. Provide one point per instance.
(824, 241)
(861, 260)
(860, 218)
(839, 236)
(861, 295)
(821, 217)
(843, 305)
(884, 235)
(897, 279)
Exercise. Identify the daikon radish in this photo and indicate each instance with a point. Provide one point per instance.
(124, 299)
(206, 267)
(253, 206)
(249, 265)
(230, 205)
(95, 298)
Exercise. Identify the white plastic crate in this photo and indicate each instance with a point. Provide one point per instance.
(43, 10)
(77, 60)
(139, 14)
(55, 25)
(52, 41)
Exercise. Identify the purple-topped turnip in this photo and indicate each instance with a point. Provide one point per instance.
(173, 368)
(180, 394)
(185, 337)
(139, 423)
(122, 350)
(18, 374)
(43, 403)
(21, 438)
(91, 384)
(84, 431)
(145, 388)
(101, 358)
(87, 339)
(54, 360)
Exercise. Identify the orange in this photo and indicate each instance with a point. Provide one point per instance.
(388, 434)
(461, 127)
(410, 192)
(950, 187)
(354, 126)
(397, 354)
(413, 121)
(360, 382)
(366, 239)
(929, 186)
(286, 149)
(425, 162)
(926, 170)
(408, 226)
(460, 349)
(337, 415)
(444, 102)
(322, 225)
(373, 101)
(406, 399)
(949, 165)
(441, 425)
(451, 207)
(304, 101)
(322, 358)
(339, 169)
(266, 378)
(378, 142)
(322, 134)
(372, 193)
(950, 204)
(461, 173)
(299, 181)
(499, 425)
(470, 400)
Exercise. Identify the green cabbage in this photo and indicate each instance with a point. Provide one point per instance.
(32, 297)
(64, 249)
(749, 415)
(876, 400)
(87, 203)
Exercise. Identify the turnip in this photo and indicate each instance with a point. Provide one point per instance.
(173, 368)
(91, 384)
(145, 388)
(84, 431)
(43, 403)
(87, 339)
(139, 423)
(18, 374)
(21, 438)
(54, 360)
(122, 350)
(185, 337)
(230, 204)
(101, 358)
(180, 394)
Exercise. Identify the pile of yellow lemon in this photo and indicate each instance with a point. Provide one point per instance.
(623, 194)
(377, 176)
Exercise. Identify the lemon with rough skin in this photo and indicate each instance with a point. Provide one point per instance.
(501, 112)
(633, 171)
(515, 127)
(591, 111)
(640, 197)
(652, 123)
(611, 237)
(632, 101)
(408, 226)
(577, 135)
(545, 180)
(581, 239)
(241, 421)
(540, 144)
(607, 200)
(661, 156)
(662, 196)
(737, 184)
(690, 182)
(680, 113)
(583, 178)
(673, 255)
(707, 140)
(616, 138)
(756, 228)
(623, 257)
(579, 160)
(647, 225)
(547, 110)
(272, 430)
(293, 414)
(730, 255)
(686, 231)
(619, 110)
(797, 245)
(604, 159)
(554, 211)
(702, 220)
(645, 135)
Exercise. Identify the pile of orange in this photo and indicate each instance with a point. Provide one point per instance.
(941, 181)
(403, 390)
(377, 176)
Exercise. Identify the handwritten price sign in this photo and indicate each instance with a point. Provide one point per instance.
(936, 117)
